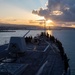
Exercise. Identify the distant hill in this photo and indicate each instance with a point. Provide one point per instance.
(27, 27)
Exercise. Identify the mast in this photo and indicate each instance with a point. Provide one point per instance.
(44, 25)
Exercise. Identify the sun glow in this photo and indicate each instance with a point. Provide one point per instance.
(49, 32)
(49, 23)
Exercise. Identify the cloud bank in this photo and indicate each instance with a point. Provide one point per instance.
(58, 10)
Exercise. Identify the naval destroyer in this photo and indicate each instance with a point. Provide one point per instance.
(39, 55)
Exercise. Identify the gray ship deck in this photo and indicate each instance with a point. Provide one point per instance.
(44, 60)
(40, 59)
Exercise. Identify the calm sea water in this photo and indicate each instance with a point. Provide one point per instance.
(67, 37)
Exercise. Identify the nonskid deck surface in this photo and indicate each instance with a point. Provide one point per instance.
(43, 63)
(37, 47)
(39, 59)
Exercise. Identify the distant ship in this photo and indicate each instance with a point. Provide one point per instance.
(39, 55)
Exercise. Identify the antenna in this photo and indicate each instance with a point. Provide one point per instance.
(44, 25)
(44, 22)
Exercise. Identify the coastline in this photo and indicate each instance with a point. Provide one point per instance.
(7, 31)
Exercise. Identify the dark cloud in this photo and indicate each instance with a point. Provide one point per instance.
(58, 10)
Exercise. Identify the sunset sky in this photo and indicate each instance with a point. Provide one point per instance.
(19, 10)
(27, 11)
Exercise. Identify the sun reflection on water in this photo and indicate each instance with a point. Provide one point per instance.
(49, 32)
